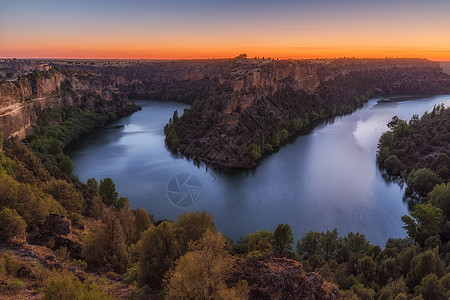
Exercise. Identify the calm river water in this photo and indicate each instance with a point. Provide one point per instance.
(325, 179)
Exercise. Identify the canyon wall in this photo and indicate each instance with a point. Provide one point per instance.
(23, 99)
(260, 104)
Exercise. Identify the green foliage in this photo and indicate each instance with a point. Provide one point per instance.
(431, 288)
(422, 265)
(393, 165)
(105, 246)
(282, 241)
(255, 153)
(427, 222)
(201, 273)
(66, 165)
(67, 286)
(143, 221)
(159, 252)
(259, 240)
(11, 224)
(107, 190)
(191, 227)
(66, 194)
(440, 197)
(422, 181)
(421, 143)
(10, 264)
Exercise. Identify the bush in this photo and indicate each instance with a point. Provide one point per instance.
(67, 286)
(11, 224)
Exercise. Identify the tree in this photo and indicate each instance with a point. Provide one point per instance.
(93, 184)
(66, 194)
(105, 246)
(158, 253)
(282, 241)
(421, 181)
(393, 165)
(427, 222)
(255, 239)
(431, 288)
(11, 224)
(143, 221)
(191, 227)
(330, 244)
(440, 197)
(201, 273)
(422, 265)
(66, 165)
(107, 189)
(309, 245)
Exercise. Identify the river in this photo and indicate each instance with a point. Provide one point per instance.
(324, 179)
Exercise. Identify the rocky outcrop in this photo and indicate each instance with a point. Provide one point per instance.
(280, 278)
(22, 100)
(56, 224)
(56, 232)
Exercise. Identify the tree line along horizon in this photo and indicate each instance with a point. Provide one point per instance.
(36, 179)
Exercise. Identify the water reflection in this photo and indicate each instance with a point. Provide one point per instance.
(325, 178)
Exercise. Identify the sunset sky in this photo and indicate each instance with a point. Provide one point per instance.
(217, 28)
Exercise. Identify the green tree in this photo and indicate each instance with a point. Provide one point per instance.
(66, 194)
(255, 153)
(242, 246)
(159, 250)
(107, 189)
(282, 240)
(191, 227)
(431, 288)
(11, 224)
(66, 165)
(427, 222)
(440, 197)
(201, 273)
(309, 245)
(330, 244)
(143, 221)
(93, 184)
(105, 246)
(393, 165)
(421, 181)
(422, 265)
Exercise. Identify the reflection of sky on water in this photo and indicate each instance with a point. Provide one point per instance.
(322, 180)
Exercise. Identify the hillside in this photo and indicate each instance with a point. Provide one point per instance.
(244, 109)
(259, 106)
(22, 99)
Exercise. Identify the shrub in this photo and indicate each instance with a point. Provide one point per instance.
(11, 224)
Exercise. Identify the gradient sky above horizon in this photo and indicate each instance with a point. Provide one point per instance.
(214, 29)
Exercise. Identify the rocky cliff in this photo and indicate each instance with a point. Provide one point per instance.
(179, 80)
(22, 100)
(243, 109)
(259, 105)
(280, 278)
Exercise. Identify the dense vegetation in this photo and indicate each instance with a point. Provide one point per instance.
(235, 129)
(189, 258)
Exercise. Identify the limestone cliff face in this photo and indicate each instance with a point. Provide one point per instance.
(181, 80)
(23, 99)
